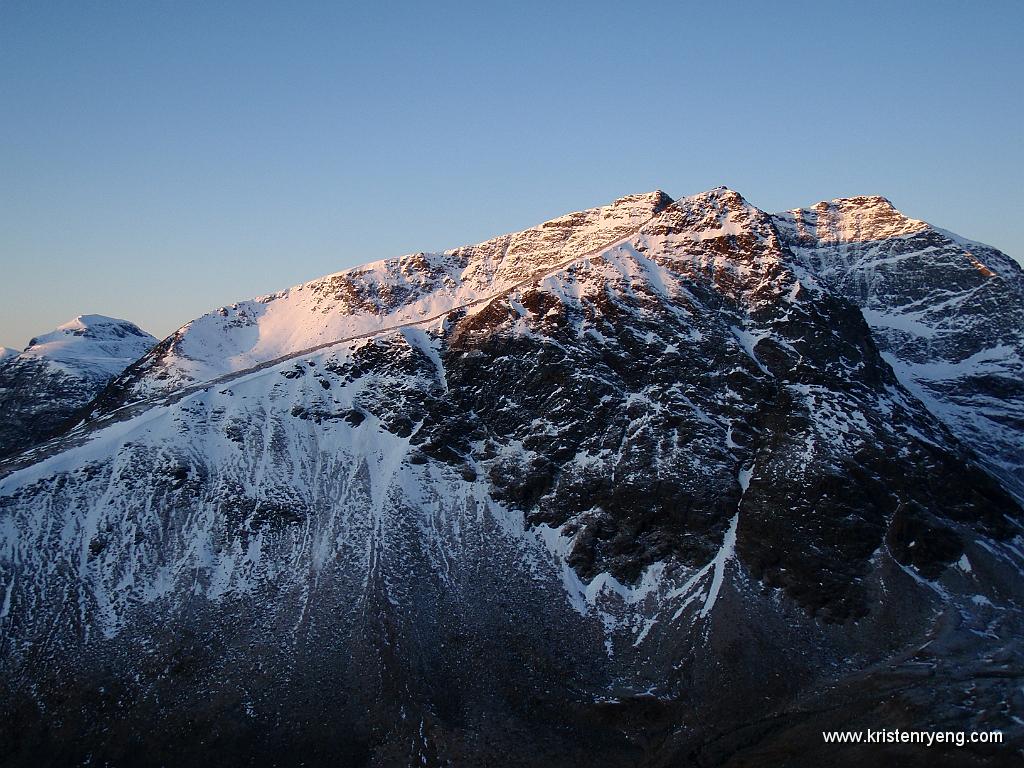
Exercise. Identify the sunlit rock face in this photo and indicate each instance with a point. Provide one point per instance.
(59, 373)
(662, 482)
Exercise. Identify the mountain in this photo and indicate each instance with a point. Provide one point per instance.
(653, 483)
(59, 373)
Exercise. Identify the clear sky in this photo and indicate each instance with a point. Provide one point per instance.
(160, 159)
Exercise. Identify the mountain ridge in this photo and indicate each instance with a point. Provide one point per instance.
(874, 213)
(402, 263)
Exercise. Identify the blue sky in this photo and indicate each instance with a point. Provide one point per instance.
(161, 159)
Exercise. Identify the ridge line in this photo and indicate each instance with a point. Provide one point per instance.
(134, 408)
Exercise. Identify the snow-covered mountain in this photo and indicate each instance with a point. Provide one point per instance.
(947, 313)
(59, 373)
(661, 482)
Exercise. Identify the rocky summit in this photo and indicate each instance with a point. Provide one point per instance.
(662, 483)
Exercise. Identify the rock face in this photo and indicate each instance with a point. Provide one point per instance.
(61, 372)
(662, 482)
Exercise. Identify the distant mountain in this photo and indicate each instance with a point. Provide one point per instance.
(60, 372)
(657, 483)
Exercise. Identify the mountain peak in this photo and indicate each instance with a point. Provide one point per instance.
(91, 345)
(859, 201)
(655, 200)
(861, 218)
(723, 200)
(712, 214)
(99, 327)
(721, 192)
